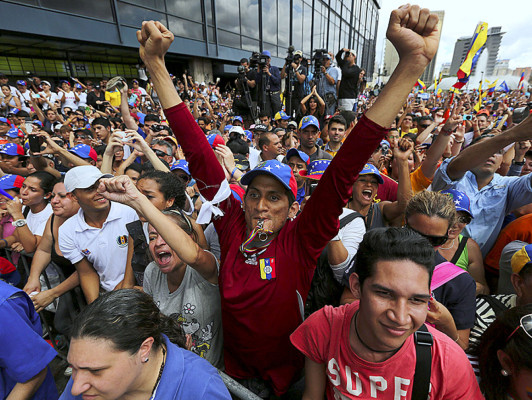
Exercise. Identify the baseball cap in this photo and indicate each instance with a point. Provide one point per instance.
(295, 152)
(260, 128)
(215, 140)
(484, 111)
(84, 151)
(170, 139)
(249, 135)
(281, 172)
(37, 122)
(9, 181)
(315, 169)
(370, 169)
(46, 83)
(309, 120)
(238, 130)
(83, 177)
(12, 149)
(182, 165)
(21, 82)
(8, 272)
(237, 118)
(266, 53)
(281, 115)
(64, 81)
(227, 128)
(241, 162)
(293, 124)
(460, 199)
(298, 53)
(521, 258)
(15, 133)
(5, 121)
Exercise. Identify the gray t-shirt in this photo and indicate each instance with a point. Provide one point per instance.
(195, 305)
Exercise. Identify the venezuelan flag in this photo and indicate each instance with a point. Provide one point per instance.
(477, 45)
(481, 95)
(267, 268)
(491, 87)
(521, 80)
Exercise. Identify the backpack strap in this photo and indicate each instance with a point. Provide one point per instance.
(424, 341)
(443, 273)
(26, 211)
(460, 249)
(348, 218)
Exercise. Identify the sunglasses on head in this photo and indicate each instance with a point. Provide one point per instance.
(526, 324)
(435, 241)
(464, 219)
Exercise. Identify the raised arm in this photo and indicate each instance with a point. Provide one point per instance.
(124, 109)
(122, 190)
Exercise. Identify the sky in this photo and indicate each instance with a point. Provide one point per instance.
(461, 18)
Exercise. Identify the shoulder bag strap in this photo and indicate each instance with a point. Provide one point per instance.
(424, 341)
(460, 249)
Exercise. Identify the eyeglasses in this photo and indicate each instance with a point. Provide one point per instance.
(464, 219)
(526, 324)
(160, 153)
(435, 241)
(424, 126)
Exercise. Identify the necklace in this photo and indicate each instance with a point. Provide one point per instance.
(450, 247)
(159, 376)
(366, 346)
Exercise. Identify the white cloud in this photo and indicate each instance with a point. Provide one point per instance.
(461, 18)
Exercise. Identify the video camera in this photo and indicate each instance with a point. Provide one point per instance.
(319, 60)
(290, 58)
(258, 60)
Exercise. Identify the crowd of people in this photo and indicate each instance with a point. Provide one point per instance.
(345, 244)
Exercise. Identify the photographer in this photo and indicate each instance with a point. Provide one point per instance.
(242, 105)
(348, 90)
(269, 91)
(295, 83)
(327, 81)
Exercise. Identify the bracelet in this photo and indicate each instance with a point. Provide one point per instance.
(5, 241)
(461, 141)
(233, 171)
(457, 339)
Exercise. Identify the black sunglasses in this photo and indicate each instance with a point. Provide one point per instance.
(160, 153)
(435, 241)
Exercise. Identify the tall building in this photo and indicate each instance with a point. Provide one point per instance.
(445, 68)
(492, 47)
(502, 67)
(428, 74)
(88, 39)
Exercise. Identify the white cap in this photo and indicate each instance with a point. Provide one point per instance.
(83, 177)
(237, 129)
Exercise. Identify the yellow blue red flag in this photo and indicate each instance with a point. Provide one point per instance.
(267, 268)
(477, 45)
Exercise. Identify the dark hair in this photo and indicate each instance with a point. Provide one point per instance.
(265, 114)
(425, 118)
(337, 119)
(485, 135)
(390, 244)
(46, 181)
(264, 139)
(528, 154)
(126, 317)
(349, 116)
(179, 217)
(152, 118)
(493, 384)
(134, 167)
(204, 119)
(169, 185)
(100, 150)
(238, 146)
(101, 121)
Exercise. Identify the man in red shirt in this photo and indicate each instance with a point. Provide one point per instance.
(366, 349)
(267, 255)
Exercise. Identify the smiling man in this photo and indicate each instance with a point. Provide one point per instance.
(367, 349)
(309, 132)
(268, 256)
(95, 239)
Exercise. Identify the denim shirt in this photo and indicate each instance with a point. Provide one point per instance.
(490, 204)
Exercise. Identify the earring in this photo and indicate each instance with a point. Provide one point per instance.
(504, 372)
(146, 360)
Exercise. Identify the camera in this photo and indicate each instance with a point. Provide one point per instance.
(468, 117)
(290, 58)
(521, 113)
(385, 149)
(257, 60)
(319, 60)
(158, 128)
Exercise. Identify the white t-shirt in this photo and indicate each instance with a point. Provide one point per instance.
(37, 222)
(82, 100)
(52, 97)
(105, 248)
(25, 100)
(70, 100)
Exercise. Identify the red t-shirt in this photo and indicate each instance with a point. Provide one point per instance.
(259, 314)
(387, 190)
(324, 338)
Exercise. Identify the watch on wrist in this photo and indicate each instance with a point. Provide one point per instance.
(19, 223)
(520, 163)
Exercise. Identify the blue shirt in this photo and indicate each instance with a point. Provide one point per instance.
(490, 204)
(23, 351)
(185, 376)
(273, 82)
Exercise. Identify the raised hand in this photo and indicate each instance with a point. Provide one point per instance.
(154, 39)
(120, 189)
(414, 33)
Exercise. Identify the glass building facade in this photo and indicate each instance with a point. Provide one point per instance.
(220, 30)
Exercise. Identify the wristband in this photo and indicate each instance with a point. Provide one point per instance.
(459, 141)
(233, 171)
